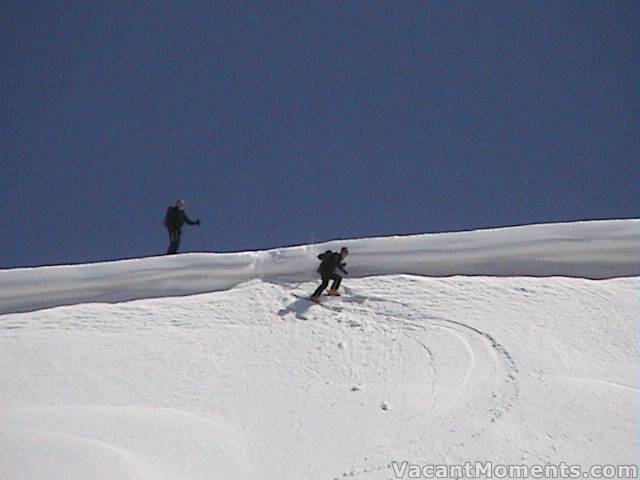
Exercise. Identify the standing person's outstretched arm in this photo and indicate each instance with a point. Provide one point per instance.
(191, 222)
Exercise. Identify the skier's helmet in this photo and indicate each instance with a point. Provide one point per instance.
(344, 251)
(181, 204)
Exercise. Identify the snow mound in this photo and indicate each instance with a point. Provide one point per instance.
(116, 443)
(595, 250)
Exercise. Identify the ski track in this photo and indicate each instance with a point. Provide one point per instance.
(498, 393)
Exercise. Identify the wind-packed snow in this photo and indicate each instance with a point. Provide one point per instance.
(596, 250)
(253, 382)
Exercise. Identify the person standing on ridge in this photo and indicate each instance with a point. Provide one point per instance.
(174, 220)
(331, 261)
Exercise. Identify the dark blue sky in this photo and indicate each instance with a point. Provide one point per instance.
(293, 122)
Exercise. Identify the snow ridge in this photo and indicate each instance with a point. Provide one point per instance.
(594, 250)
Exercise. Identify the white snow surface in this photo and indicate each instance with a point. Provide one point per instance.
(515, 346)
(596, 250)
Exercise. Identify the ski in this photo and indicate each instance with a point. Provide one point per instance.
(318, 302)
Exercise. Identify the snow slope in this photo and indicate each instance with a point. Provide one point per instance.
(596, 250)
(254, 383)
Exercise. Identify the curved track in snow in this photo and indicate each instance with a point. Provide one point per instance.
(487, 388)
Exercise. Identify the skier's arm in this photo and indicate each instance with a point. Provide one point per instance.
(341, 267)
(189, 221)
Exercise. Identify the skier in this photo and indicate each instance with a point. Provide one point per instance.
(175, 218)
(331, 261)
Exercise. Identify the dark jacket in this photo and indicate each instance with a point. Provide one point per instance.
(176, 218)
(331, 261)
